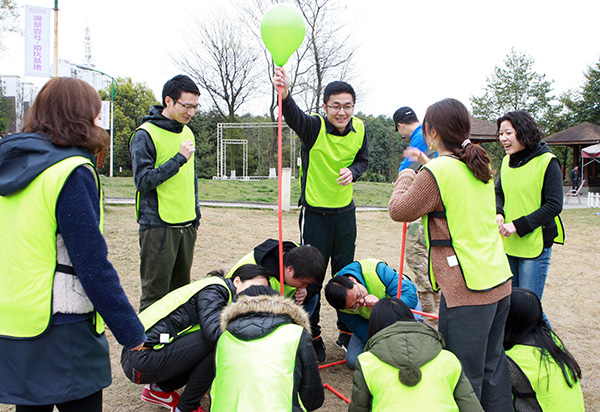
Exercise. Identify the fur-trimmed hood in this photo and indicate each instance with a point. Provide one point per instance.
(254, 317)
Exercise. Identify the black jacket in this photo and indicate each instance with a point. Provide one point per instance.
(146, 177)
(253, 318)
(307, 128)
(552, 195)
(204, 308)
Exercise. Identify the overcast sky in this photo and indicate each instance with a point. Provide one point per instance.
(410, 53)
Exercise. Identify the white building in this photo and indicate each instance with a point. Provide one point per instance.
(21, 94)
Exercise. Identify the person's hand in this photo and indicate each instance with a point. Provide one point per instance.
(415, 154)
(499, 220)
(280, 78)
(138, 347)
(300, 295)
(187, 149)
(345, 177)
(508, 229)
(370, 301)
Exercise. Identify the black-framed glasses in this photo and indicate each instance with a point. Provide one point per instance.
(346, 108)
(188, 106)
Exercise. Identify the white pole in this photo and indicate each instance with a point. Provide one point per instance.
(110, 173)
(286, 186)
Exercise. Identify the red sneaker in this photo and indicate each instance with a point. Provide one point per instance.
(166, 399)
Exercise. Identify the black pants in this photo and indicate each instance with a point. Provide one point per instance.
(185, 361)
(335, 237)
(475, 334)
(166, 255)
(92, 403)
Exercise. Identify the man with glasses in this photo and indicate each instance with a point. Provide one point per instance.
(162, 151)
(354, 291)
(334, 154)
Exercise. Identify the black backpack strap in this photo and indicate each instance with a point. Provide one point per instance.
(524, 399)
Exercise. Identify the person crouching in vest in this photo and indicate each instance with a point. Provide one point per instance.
(264, 358)
(355, 289)
(405, 366)
(544, 375)
(182, 330)
(303, 266)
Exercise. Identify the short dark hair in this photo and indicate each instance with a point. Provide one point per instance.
(65, 109)
(307, 261)
(527, 130)
(177, 85)
(386, 312)
(338, 87)
(404, 115)
(336, 291)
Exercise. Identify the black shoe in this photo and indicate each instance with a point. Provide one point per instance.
(319, 346)
(343, 341)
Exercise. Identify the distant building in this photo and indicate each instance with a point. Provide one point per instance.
(21, 94)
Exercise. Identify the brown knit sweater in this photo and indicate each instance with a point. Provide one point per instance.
(416, 195)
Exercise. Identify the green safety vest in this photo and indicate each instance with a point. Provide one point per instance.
(470, 209)
(374, 285)
(256, 375)
(171, 301)
(435, 391)
(547, 381)
(28, 250)
(288, 291)
(176, 196)
(522, 187)
(329, 154)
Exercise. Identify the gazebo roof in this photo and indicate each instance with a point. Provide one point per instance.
(584, 134)
(482, 130)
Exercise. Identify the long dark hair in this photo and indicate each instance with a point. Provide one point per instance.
(65, 110)
(452, 122)
(525, 325)
(385, 313)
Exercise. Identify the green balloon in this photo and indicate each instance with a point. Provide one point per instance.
(282, 30)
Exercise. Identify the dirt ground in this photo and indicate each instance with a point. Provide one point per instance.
(226, 235)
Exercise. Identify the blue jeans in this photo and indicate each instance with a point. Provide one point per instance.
(310, 306)
(531, 273)
(355, 348)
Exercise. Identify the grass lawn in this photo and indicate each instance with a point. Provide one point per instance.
(365, 193)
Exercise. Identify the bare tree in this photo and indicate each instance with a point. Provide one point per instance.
(9, 15)
(325, 55)
(223, 63)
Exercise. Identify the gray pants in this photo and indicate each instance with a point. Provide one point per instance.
(166, 255)
(475, 334)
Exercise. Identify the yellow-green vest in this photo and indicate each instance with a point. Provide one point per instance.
(547, 381)
(522, 187)
(28, 250)
(470, 209)
(288, 291)
(435, 391)
(374, 285)
(176, 196)
(329, 154)
(171, 301)
(256, 375)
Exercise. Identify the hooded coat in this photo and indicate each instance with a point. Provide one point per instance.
(251, 318)
(408, 345)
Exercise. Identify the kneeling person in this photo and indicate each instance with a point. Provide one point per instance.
(302, 265)
(405, 364)
(182, 330)
(265, 359)
(355, 289)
